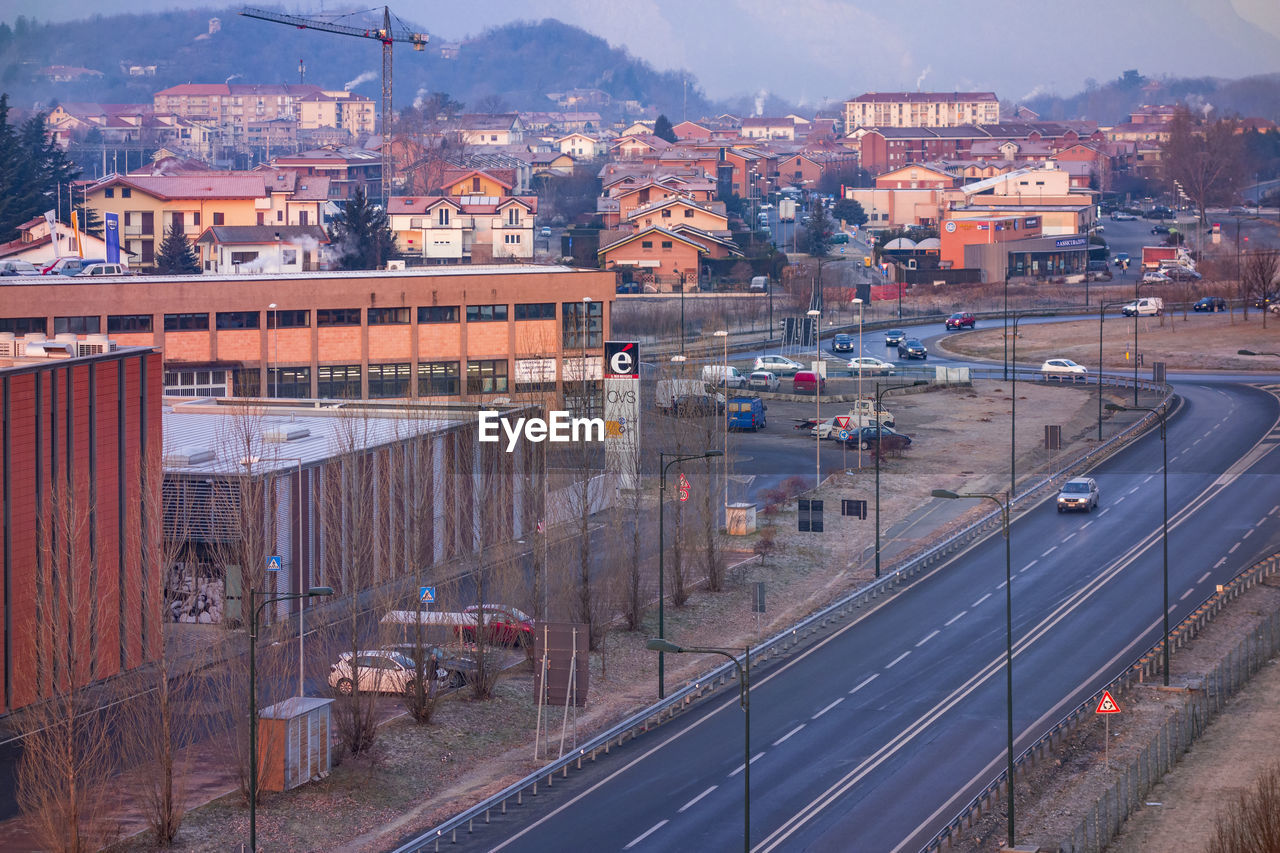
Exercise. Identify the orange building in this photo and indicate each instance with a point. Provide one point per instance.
(958, 233)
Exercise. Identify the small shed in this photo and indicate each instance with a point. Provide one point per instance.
(740, 519)
(293, 742)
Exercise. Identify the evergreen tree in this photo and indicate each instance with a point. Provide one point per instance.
(663, 130)
(177, 256)
(361, 234)
(31, 168)
(820, 229)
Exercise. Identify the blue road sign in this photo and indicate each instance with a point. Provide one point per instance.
(427, 594)
(273, 563)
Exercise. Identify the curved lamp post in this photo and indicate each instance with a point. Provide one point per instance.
(880, 392)
(1008, 629)
(662, 575)
(817, 393)
(253, 697)
(1164, 446)
(1102, 313)
(744, 700)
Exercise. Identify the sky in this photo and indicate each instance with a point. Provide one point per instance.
(811, 52)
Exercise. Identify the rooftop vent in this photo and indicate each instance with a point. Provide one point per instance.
(187, 457)
(280, 435)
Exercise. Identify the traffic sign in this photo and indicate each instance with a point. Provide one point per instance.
(842, 421)
(843, 434)
(273, 563)
(1107, 705)
(684, 488)
(427, 594)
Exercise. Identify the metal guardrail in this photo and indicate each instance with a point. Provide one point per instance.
(779, 644)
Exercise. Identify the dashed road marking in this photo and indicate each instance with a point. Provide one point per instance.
(1131, 491)
(1260, 521)
(891, 664)
(1233, 548)
(1001, 585)
(1219, 563)
(980, 600)
(870, 678)
(1028, 565)
(828, 708)
(1105, 511)
(1086, 524)
(1148, 480)
(1204, 577)
(1069, 538)
(1184, 596)
(1050, 551)
(928, 637)
(1247, 533)
(754, 759)
(1119, 499)
(650, 831)
(689, 804)
(947, 624)
(788, 734)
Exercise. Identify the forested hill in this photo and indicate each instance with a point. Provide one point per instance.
(510, 67)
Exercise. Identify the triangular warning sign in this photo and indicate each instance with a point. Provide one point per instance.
(1107, 705)
(842, 421)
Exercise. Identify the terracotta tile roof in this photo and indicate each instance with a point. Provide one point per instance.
(923, 97)
(202, 185)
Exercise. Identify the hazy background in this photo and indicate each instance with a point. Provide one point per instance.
(811, 51)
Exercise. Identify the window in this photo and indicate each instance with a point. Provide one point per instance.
(486, 313)
(475, 182)
(245, 382)
(289, 257)
(389, 380)
(109, 192)
(237, 320)
(78, 325)
(338, 381)
(388, 317)
(128, 323)
(688, 213)
(646, 244)
(126, 192)
(487, 376)
(218, 219)
(195, 218)
(185, 322)
(438, 379)
(294, 382)
(579, 319)
(666, 244)
(195, 383)
(535, 311)
(666, 214)
(511, 239)
(23, 325)
(279, 216)
(513, 216)
(338, 317)
(442, 216)
(288, 319)
(438, 314)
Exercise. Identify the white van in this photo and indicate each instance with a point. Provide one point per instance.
(718, 374)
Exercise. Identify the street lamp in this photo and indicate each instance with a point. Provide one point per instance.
(744, 701)
(275, 358)
(1164, 446)
(1102, 313)
(817, 394)
(677, 271)
(662, 575)
(1008, 629)
(880, 392)
(1251, 352)
(253, 697)
(857, 300)
(724, 334)
(1013, 414)
(1136, 284)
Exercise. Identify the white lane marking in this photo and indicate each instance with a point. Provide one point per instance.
(1119, 499)
(980, 600)
(1105, 511)
(1204, 577)
(1183, 597)
(1208, 433)
(1050, 551)
(1131, 491)
(947, 624)
(891, 664)
(1219, 563)
(788, 734)
(1148, 480)
(1067, 539)
(1247, 534)
(928, 637)
(692, 802)
(1028, 565)
(870, 678)
(1172, 607)
(1197, 441)
(1233, 548)
(1086, 524)
(646, 834)
(1274, 509)
(754, 759)
(828, 708)
(1001, 585)
(1260, 521)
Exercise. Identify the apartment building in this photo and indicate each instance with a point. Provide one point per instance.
(230, 107)
(921, 109)
(346, 110)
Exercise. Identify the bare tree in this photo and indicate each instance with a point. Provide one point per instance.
(1257, 283)
(1205, 159)
(1251, 824)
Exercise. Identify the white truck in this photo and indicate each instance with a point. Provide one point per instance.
(666, 390)
(786, 210)
(1144, 306)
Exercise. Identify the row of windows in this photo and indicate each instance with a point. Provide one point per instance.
(338, 381)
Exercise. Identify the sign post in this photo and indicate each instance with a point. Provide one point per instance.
(1107, 706)
(622, 411)
(427, 595)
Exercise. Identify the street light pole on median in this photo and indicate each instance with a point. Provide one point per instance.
(1102, 313)
(880, 392)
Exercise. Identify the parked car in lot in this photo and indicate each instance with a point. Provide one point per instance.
(1177, 272)
(696, 406)
(868, 364)
(1267, 301)
(1122, 216)
(1160, 229)
(1078, 493)
(892, 337)
(15, 267)
(843, 343)
(1155, 277)
(912, 348)
(961, 320)
(719, 374)
(504, 626)
(808, 382)
(70, 266)
(763, 380)
(1210, 303)
(1063, 366)
(375, 671)
(746, 413)
(778, 364)
(104, 269)
(867, 437)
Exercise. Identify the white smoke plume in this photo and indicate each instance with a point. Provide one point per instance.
(923, 74)
(363, 78)
(760, 96)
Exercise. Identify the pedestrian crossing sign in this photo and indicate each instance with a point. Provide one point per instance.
(273, 564)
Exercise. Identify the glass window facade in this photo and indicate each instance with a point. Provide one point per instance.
(439, 379)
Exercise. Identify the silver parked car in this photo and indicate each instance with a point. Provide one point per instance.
(1078, 493)
(763, 380)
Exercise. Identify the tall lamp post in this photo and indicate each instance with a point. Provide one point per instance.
(275, 358)
(1013, 415)
(662, 575)
(680, 273)
(1008, 630)
(253, 697)
(1164, 468)
(1102, 313)
(724, 335)
(817, 393)
(744, 701)
(858, 301)
(1136, 314)
(880, 392)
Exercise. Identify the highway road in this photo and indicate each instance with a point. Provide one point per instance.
(883, 729)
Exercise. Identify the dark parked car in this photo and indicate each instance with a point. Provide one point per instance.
(912, 348)
(628, 287)
(1210, 303)
(1266, 301)
(1160, 229)
(892, 337)
(867, 437)
(961, 320)
(696, 406)
(843, 343)
(1181, 273)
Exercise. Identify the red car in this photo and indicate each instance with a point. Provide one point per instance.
(808, 382)
(505, 626)
(961, 320)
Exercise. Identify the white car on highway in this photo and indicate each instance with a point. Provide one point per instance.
(868, 364)
(1063, 365)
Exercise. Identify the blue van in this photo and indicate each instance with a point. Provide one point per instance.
(745, 413)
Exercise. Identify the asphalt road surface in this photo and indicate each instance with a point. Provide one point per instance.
(883, 729)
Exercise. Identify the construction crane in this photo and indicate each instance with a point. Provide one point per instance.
(387, 35)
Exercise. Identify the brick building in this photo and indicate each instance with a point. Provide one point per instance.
(79, 570)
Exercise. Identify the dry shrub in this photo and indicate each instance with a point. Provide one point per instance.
(1251, 824)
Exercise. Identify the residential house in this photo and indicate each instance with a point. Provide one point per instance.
(664, 258)
(551, 163)
(691, 130)
(243, 249)
(35, 244)
(636, 146)
(346, 168)
(581, 146)
(490, 129)
(476, 220)
(911, 195)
